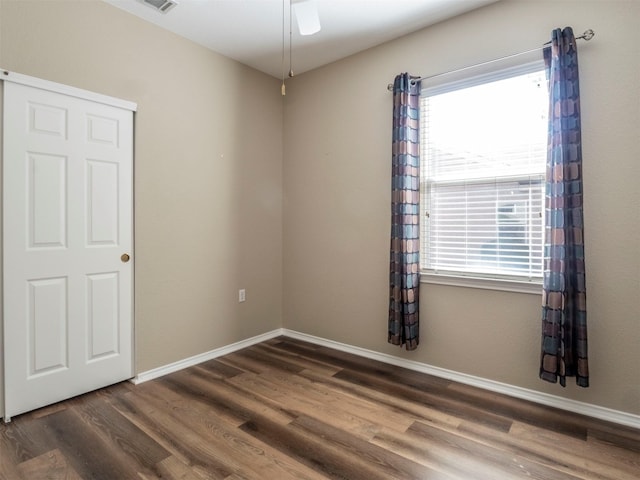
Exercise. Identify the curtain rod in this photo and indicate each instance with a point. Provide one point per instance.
(587, 35)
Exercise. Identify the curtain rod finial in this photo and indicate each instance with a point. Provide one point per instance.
(588, 34)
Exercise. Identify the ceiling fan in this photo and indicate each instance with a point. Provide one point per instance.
(306, 13)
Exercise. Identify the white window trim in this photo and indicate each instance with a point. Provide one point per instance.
(532, 286)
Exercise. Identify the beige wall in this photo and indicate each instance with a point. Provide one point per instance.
(337, 193)
(208, 168)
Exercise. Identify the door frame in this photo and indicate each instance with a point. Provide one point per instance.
(10, 76)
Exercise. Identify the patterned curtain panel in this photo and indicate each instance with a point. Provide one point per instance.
(404, 281)
(564, 314)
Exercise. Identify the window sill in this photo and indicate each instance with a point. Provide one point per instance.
(505, 285)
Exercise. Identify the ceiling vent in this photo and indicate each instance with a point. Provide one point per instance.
(163, 6)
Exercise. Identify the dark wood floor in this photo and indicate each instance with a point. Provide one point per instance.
(285, 409)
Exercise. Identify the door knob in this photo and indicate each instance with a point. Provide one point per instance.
(125, 257)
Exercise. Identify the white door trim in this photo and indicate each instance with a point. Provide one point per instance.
(9, 76)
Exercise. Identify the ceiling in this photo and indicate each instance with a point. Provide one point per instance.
(250, 31)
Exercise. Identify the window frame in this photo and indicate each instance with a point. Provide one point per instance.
(487, 73)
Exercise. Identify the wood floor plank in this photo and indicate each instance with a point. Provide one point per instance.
(304, 363)
(548, 455)
(234, 449)
(173, 468)
(194, 448)
(89, 456)
(347, 361)
(441, 402)
(585, 457)
(437, 456)
(509, 465)
(142, 451)
(245, 363)
(51, 465)
(272, 362)
(528, 412)
(286, 409)
(389, 401)
(284, 340)
(194, 393)
(8, 464)
(219, 370)
(334, 403)
(228, 398)
(621, 436)
(243, 453)
(24, 439)
(385, 462)
(305, 403)
(319, 452)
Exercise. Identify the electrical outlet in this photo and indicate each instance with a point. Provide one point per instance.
(242, 295)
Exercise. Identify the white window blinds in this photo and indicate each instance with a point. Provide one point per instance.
(483, 164)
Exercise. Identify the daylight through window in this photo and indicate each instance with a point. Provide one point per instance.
(483, 155)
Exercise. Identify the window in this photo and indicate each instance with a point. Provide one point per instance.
(483, 160)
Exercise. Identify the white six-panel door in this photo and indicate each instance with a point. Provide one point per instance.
(67, 231)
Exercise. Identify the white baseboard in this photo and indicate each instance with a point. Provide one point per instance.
(203, 357)
(595, 411)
